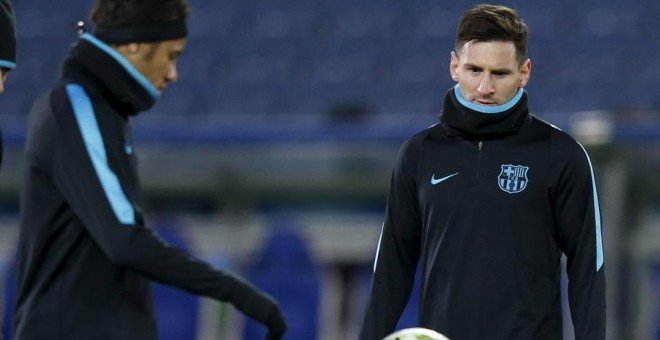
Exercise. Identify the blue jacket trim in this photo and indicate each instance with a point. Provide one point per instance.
(89, 128)
(487, 109)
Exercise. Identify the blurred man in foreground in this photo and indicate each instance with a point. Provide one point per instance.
(85, 254)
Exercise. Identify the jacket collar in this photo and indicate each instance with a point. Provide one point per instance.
(460, 117)
(95, 63)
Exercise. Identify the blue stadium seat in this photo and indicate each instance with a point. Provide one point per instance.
(9, 298)
(177, 311)
(655, 277)
(286, 270)
(344, 46)
(177, 101)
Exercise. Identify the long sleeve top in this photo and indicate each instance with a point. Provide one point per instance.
(486, 204)
(85, 254)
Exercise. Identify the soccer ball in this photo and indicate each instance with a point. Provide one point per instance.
(416, 333)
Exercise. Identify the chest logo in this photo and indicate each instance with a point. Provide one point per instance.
(513, 178)
(435, 181)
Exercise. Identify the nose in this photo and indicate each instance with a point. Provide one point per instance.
(172, 74)
(485, 85)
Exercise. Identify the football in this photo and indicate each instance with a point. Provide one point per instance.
(416, 333)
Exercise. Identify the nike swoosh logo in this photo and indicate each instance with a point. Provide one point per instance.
(435, 181)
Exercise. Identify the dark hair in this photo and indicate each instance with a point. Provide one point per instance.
(485, 23)
(118, 12)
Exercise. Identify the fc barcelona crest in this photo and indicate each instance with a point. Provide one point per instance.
(513, 178)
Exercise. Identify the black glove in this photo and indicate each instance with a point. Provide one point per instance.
(276, 324)
(254, 303)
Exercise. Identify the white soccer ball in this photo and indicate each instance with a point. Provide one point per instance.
(416, 333)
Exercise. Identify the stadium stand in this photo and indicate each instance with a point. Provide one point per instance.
(263, 57)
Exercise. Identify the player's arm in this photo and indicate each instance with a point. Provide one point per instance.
(81, 170)
(577, 215)
(397, 254)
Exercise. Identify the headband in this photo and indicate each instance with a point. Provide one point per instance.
(148, 33)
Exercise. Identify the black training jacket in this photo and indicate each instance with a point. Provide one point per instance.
(486, 204)
(85, 255)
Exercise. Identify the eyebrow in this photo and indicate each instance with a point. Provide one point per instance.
(500, 70)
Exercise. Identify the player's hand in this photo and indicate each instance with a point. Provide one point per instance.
(276, 324)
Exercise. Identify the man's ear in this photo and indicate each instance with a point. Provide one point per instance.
(525, 73)
(453, 65)
(132, 52)
(127, 49)
(133, 48)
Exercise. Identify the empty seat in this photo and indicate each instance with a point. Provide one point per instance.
(177, 311)
(285, 269)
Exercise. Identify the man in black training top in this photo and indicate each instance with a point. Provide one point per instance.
(7, 41)
(7, 56)
(7, 47)
(85, 254)
(486, 201)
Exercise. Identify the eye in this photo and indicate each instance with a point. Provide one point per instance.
(501, 74)
(173, 56)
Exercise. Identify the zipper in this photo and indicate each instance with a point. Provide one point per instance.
(479, 147)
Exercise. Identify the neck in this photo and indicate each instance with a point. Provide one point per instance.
(487, 109)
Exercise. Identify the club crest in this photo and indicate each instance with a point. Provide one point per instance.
(513, 178)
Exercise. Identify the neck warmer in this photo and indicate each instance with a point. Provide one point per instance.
(459, 119)
(94, 63)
